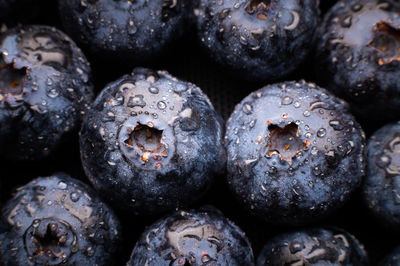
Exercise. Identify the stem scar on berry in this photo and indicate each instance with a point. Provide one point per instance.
(284, 142)
(386, 40)
(260, 7)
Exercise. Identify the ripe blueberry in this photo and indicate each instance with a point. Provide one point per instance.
(295, 153)
(138, 30)
(44, 90)
(151, 142)
(57, 220)
(258, 39)
(203, 237)
(382, 183)
(358, 56)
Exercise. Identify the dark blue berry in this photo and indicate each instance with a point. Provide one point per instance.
(151, 142)
(295, 153)
(203, 237)
(358, 56)
(258, 39)
(44, 90)
(313, 246)
(57, 220)
(382, 183)
(125, 29)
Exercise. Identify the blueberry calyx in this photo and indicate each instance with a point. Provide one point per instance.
(145, 143)
(258, 7)
(50, 241)
(285, 142)
(386, 41)
(11, 83)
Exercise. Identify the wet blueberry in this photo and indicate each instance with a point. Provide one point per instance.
(358, 54)
(44, 90)
(138, 30)
(258, 39)
(382, 183)
(392, 259)
(295, 153)
(57, 220)
(151, 142)
(203, 237)
(313, 246)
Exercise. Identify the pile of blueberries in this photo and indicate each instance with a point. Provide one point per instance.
(273, 139)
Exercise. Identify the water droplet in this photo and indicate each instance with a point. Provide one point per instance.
(161, 105)
(346, 22)
(153, 90)
(321, 132)
(316, 171)
(180, 87)
(252, 123)
(53, 93)
(90, 251)
(356, 7)
(247, 108)
(132, 29)
(336, 125)
(383, 161)
(306, 113)
(136, 100)
(62, 185)
(297, 104)
(286, 100)
(75, 196)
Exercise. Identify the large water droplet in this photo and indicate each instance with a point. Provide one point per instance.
(286, 100)
(153, 90)
(161, 105)
(62, 185)
(336, 125)
(321, 132)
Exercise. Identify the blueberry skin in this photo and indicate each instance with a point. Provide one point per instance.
(357, 56)
(258, 40)
(392, 259)
(313, 246)
(295, 153)
(381, 188)
(45, 90)
(121, 29)
(151, 142)
(196, 237)
(58, 220)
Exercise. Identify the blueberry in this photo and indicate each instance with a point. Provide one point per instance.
(392, 259)
(138, 30)
(382, 183)
(357, 56)
(44, 90)
(57, 220)
(151, 142)
(196, 237)
(313, 246)
(258, 39)
(295, 153)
